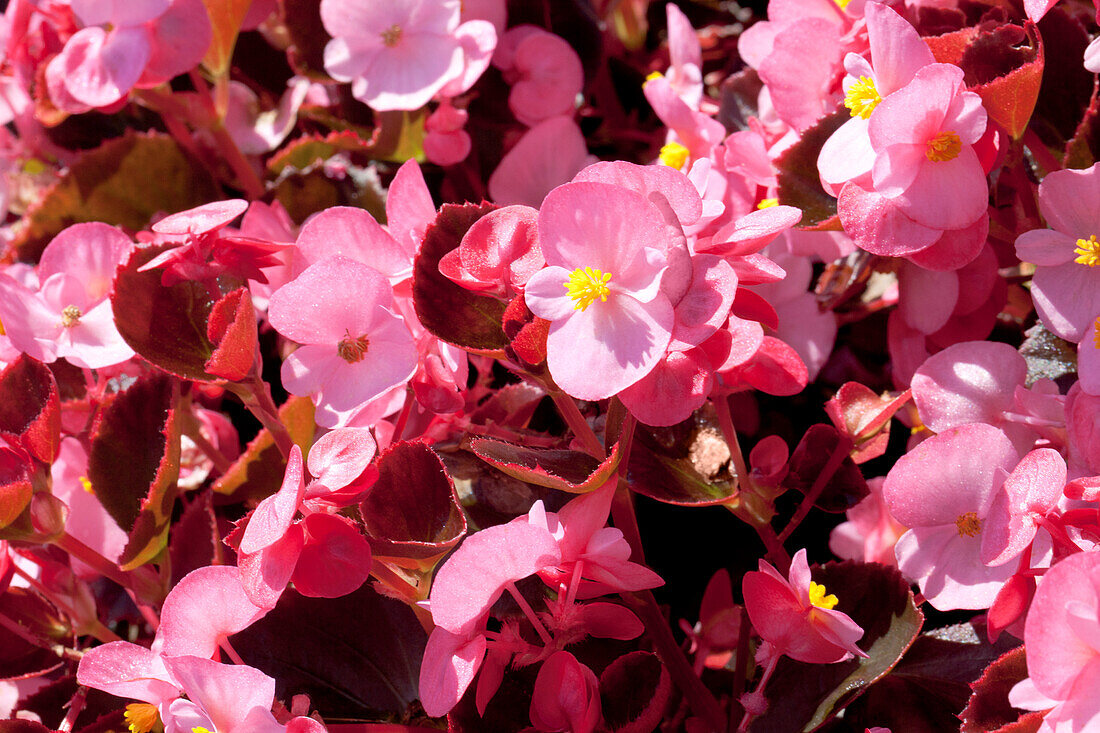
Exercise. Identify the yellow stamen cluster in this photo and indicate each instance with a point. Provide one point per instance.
(586, 286)
(674, 155)
(352, 349)
(200, 729)
(767, 203)
(140, 717)
(968, 524)
(862, 97)
(70, 316)
(943, 147)
(653, 75)
(1088, 251)
(819, 599)
(2, 331)
(392, 35)
(86, 484)
(842, 4)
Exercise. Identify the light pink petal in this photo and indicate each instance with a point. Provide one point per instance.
(801, 70)
(95, 342)
(273, 516)
(502, 247)
(698, 132)
(847, 154)
(127, 670)
(206, 606)
(478, 38)
(896, 167)
(551, 76)
(87, 520)
(927, 298)
(352, 233)
(597, 353)
(655, 182)
(335, 560)
(1036, 9)
(949, 194)
(265, 574)
(1088, 363)
(309, 368)
(897, 51)
(669, 394)
(757, 42)
(472, 579)
(101, 67)
(683, 44)
(340, 456)
(1092, 55)
(118, 12)
(30, 324)
(1031, 490)
(1045, 247)
(582, 518)
(390, 360)
(967, 382)
(948, 475)
(548, 155)
(1070, 201)
(948, 568)
(1057, 656)
(90, 251)
(1067, 298)
(956, 248)
(226, 692)
(545, 294)
(331, 300)
(449, 665)
(407, 75)
(205, 218)
(409, 207)
(877, 225)
(706, 305)
(915, 113)
(611, 621)
(180, 37)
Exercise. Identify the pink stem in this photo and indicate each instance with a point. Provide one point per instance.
(530, 614)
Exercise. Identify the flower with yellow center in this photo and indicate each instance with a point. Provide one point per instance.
(862, 97)
(586, 286)
(943, 147)
(140, 717)
(674, 155)
(1088, 251)
(654, 75)
(968, 524)
(819, 598)
(767, 203)
(352, 349)
(70, 316)
(392, 35)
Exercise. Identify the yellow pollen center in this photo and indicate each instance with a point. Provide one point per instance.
(674, 155)
(2, 331)
(862, 96)
(819, 599)
(653, 75)
(392, 35)
(943, 147)
(70, 316)
(352, 349)
(86, 484)
(842, 4)
(587, 285)
(968, 524)
(767, 203)
(1096, 332)
(1088, 251)
(200, 729)
(140, 717)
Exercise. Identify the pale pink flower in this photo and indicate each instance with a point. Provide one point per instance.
(221, 698)
(257, 131)
(566, 696)
(86, 520)
(871, 531)
(548, 155)
(545, 73)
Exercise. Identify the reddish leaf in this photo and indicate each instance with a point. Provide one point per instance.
(15, 483)
(686, 464)
(878, 599)
(225, 20)
(165, 325)
(191, 542)
(20, 658)
(258, 472)
(30, 407)
(1083, 149)
(799, 181)
(355, 656)
(1067, 84)
(818, 447)
(527, 333)
(133, 463)
(988, 710)
(307, 37)
(412, 510)
(124, 182)
(565, 470)
(232, 327)
(635, 690)
(447, 310)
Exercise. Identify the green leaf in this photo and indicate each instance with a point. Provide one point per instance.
(799, 181)
(123, 182)
(685, 464)
(258, 472)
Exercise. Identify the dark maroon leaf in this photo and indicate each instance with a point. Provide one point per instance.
(928, 690)
(634, 690)
(15, 484)
(133, 462)
(565, 470)
(878, 599)
(686, 464)
(18, 657)
(30, 407)
(123, 182)
(191, 541)
(1067, 84)
(799, 181)
(355, 656)
(165, 325)
(815, 460)
(307, 37)
(23, 726)
(412, 510)
(101, 712)
(447, 310)
(988, 709)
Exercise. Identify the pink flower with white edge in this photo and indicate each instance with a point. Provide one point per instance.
(222, 698)
(1066, 284)
(607, 250)
(70, 315)
(354, 347)
(1062, 640)
(397, 54)
(797, 616)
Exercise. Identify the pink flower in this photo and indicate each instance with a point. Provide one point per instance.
(871, 531)
(796, 616)
(607, 249)
(545, 72)
(566, 696)
(548, 155)
(354, 347)
(398, 54)
(221, 698)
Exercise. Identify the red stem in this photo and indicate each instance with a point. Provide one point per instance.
(840, 452)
